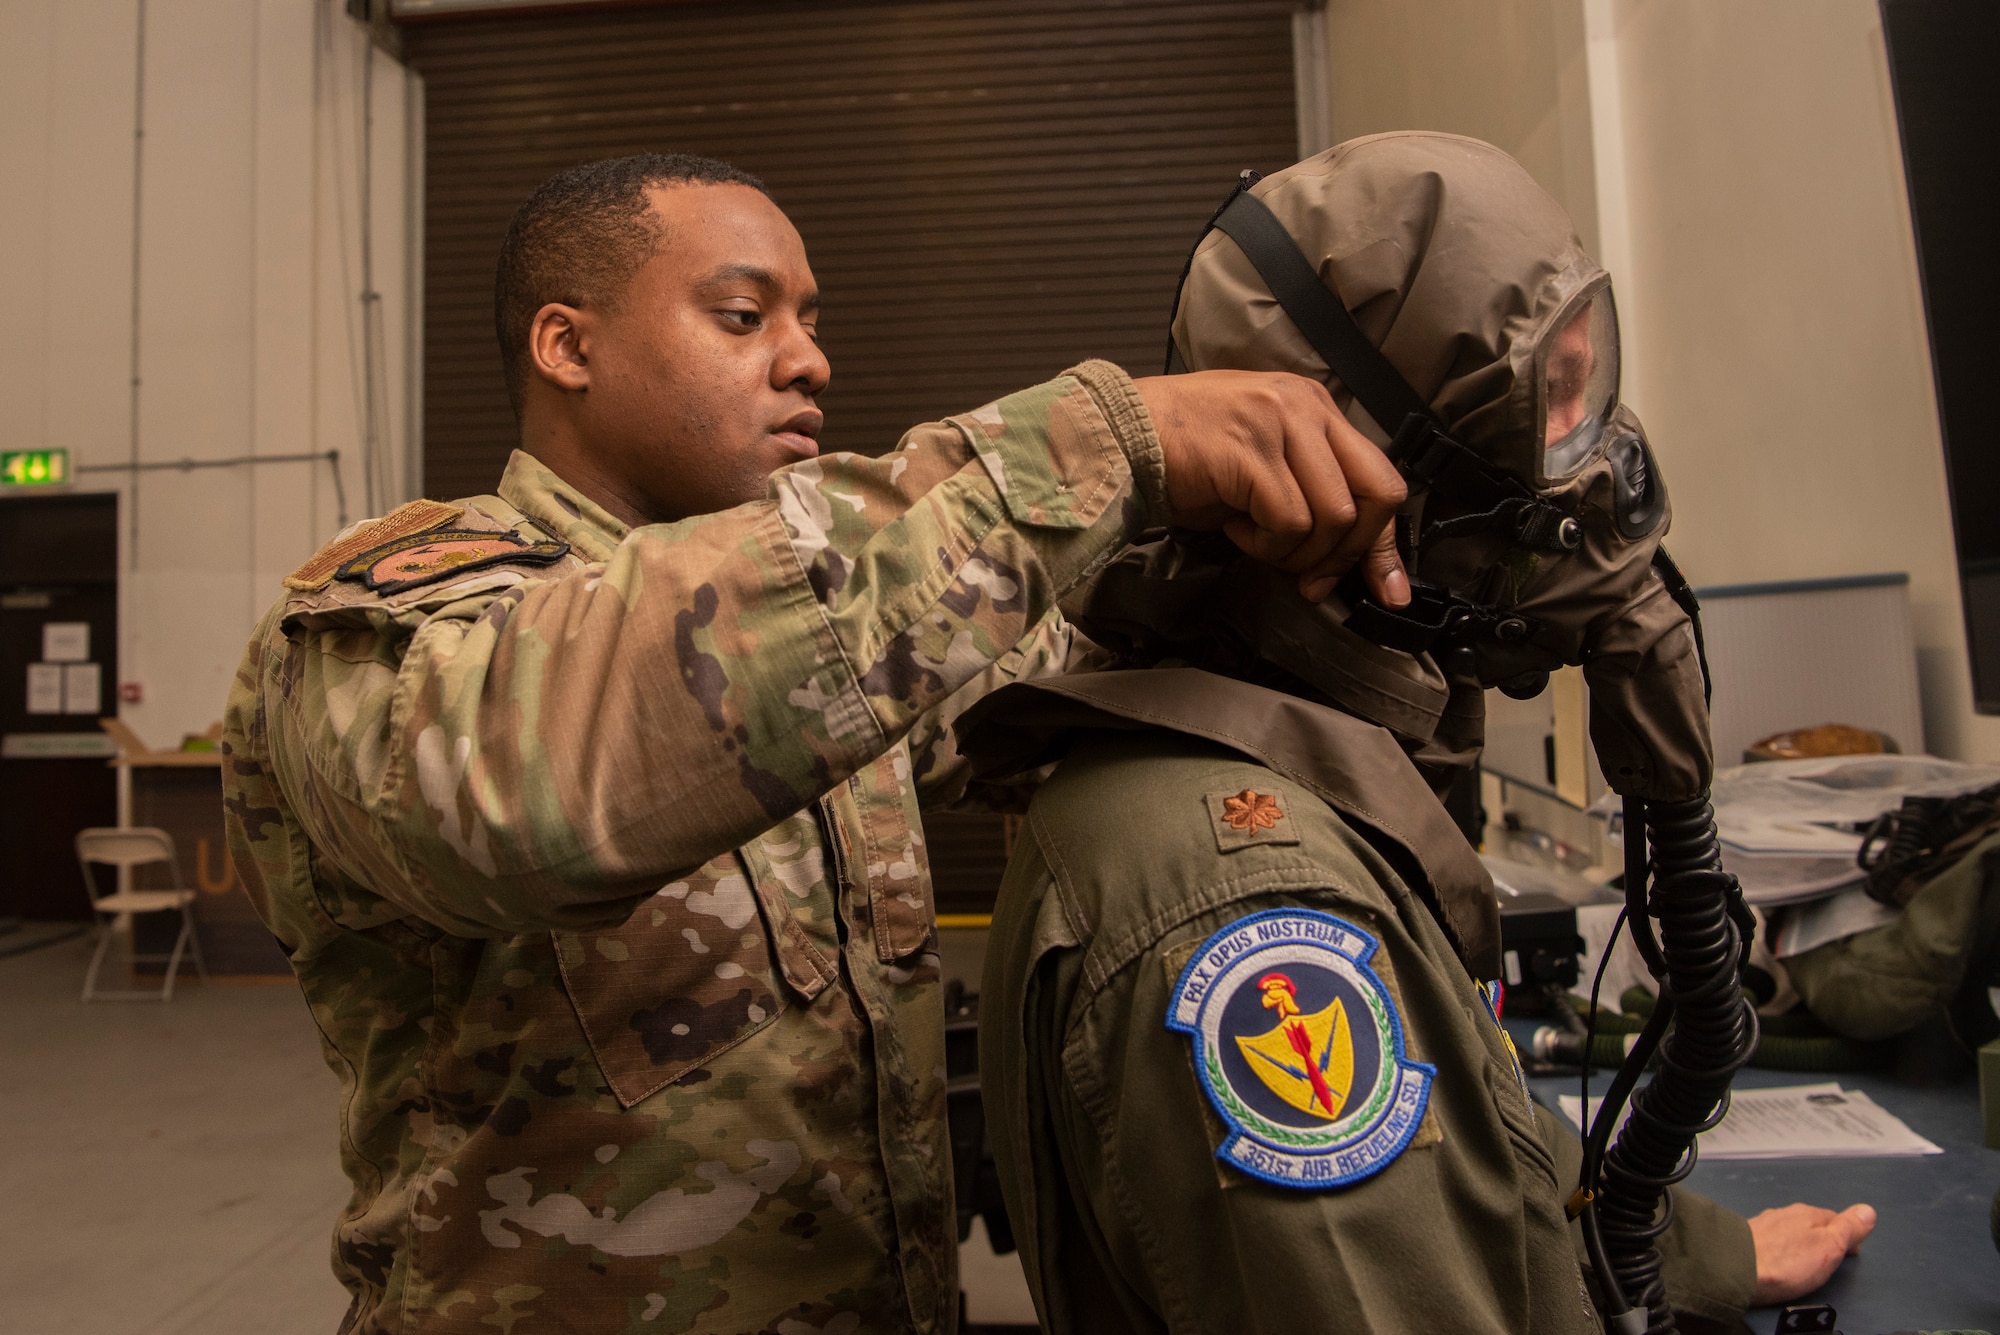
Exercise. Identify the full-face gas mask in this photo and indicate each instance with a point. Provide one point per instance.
(1442, 296)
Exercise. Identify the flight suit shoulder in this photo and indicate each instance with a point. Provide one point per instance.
(1143, 830)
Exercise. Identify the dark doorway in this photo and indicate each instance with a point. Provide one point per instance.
(58, 675)
(1942, 55)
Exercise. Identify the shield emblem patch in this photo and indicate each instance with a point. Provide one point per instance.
(1299, 1045)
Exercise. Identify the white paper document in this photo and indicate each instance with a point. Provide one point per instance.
(65, 641)
(83, 688)
(45, 688)
(1798, 1122)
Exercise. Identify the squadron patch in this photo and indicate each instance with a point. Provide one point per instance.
(422, 558)
(1300, 1049)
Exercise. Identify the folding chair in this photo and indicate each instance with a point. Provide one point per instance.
(128, 848)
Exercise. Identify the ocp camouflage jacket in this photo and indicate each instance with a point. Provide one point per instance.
(596, 854)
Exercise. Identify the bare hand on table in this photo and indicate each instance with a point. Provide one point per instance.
(1800, 1246)
(1266, 457)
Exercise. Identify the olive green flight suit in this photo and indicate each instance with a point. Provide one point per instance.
(1888, 980)
(1105, 1137)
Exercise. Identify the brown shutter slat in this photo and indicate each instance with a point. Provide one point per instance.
(988, 190)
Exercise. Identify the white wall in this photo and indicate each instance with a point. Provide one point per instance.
(1773, 293)
(1736, 166)
(249, 312)
(1511, 72)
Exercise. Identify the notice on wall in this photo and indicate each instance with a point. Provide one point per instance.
(65, 641)
(83, 688)
(45, 688)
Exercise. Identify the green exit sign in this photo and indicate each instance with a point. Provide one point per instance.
(34, 468)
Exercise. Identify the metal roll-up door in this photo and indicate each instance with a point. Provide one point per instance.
(988, 190)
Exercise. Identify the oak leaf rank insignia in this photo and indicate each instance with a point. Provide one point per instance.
(1247, 817)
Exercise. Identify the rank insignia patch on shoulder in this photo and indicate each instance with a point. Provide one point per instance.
(1300, 1048)
(422, 558)
(1250, 817)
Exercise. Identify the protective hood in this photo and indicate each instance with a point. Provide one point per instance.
(1452, 261)
(1536, 509)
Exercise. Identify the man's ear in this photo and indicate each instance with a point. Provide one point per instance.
(557, 346)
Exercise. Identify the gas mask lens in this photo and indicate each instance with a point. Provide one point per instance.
(1577, 372)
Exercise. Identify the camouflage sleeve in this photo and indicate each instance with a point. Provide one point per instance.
(538, 757)
(1054, 648)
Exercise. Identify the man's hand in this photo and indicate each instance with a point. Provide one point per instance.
(1267, 458)
(1800, 1246)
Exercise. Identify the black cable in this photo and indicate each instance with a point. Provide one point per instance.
(1616, 1295)
(1590, 1025)
(1638, 878)
(1598, 1128)
(1702, 948)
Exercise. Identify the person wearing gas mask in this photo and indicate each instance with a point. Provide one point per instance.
(1240, 1067)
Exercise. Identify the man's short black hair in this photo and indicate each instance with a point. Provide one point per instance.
(580, 238)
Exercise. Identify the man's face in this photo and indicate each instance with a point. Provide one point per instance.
(702, 380)
(1571, 361)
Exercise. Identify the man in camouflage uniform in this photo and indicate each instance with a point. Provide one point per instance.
(587, 811)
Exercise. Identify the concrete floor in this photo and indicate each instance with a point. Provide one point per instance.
(170, 1168)
(164, 1168)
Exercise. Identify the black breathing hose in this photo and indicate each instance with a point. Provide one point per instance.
(1697, 958)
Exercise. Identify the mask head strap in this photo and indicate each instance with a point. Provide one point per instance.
(1423, 452)
(1321, 317)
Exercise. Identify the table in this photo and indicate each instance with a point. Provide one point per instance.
(1931, 1262)
(181, 793)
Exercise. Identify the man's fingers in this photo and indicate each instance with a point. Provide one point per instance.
(1331, 504)
(1800, 1246)
(1273, 498)
(1384, 567)
(1308, 492)
(1378, 492)
(1370, 476)
(1854, 1224)
(1351, 518)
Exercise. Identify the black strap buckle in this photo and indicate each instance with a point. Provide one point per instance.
(1411, 630)
(1421, 451)
(1435, 616)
